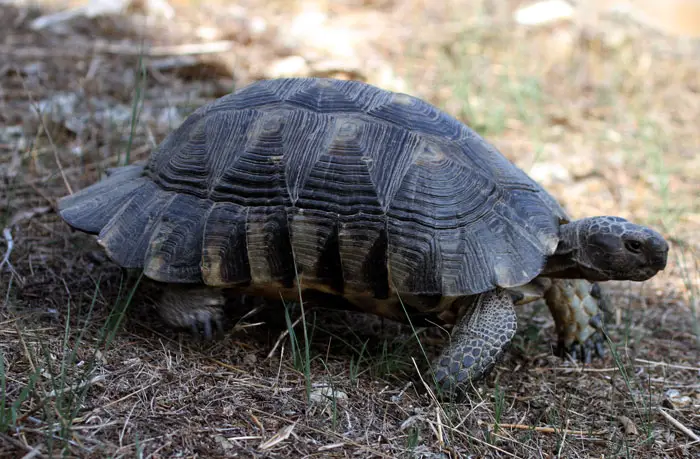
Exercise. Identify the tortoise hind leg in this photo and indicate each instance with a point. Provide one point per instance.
(197, 309)
(479, 339)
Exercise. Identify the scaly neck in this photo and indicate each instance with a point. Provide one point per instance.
(563, 263)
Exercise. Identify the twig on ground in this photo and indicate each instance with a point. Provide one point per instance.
(579, 369)
(347, 440)
(228, 366)
(669, 365)
(7, 234)
(126, 423)
(440, 432)
(452, 429)
(278, 437)
(282, 336)
(80, 51)
(331, 446)
(114, 402)
(250, 313)
(9, 240)
(28, 214)
(425, 385)
(563, 439)
(473, 438)
(31, 452)
(677, 423)
(545, 429)
(91, 381)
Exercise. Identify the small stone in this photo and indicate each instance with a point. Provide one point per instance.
(544, 12)
(411, 421)
(224, 442)
(549, 173)
(250, 359)
(207, 33)
(288, 67)
(258, 25)
(326, 393)
(674, 400)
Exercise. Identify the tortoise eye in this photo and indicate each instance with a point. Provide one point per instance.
(633, 246)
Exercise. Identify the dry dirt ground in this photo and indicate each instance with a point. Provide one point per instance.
(607, 118)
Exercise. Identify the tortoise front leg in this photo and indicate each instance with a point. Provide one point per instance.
(479, 339)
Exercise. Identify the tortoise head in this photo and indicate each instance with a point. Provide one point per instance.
(609, 248)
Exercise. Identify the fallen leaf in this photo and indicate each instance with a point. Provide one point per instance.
(627, 425)
(279, 437)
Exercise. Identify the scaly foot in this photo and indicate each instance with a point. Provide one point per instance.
(478, 341)
(199, 310)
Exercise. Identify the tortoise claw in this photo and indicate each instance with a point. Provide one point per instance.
(600, 349)
(206, 324)
(593, 346)
(587, 354)
(596, 322)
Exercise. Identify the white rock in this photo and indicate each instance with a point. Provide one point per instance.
(288, 67)
(326, 393)
(548, 173)
(544, 12)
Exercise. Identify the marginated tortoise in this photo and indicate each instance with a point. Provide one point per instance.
(347, 191)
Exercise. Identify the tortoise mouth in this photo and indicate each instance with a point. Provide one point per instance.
(657, 263)
(639, 274)
(659, 260)
(651, 271)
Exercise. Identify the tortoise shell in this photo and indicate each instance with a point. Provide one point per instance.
(348, 188)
